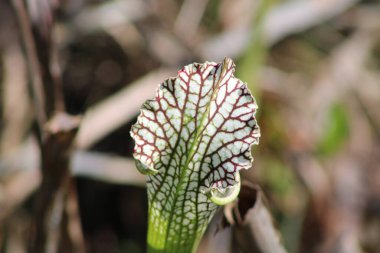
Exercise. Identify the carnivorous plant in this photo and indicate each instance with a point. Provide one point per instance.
(192, 139)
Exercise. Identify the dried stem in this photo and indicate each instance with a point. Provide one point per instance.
(32, 59)
(56, 128)
(253, 228)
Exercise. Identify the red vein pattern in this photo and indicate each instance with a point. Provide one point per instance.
(194, 135)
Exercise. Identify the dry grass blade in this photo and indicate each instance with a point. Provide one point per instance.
(189, 18)
(27, 179)
(118, 109)
(106, 168)
(16, 113)
(16, 190)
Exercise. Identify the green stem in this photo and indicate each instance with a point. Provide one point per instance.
(187, 236)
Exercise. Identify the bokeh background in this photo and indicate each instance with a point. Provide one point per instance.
(312, 65)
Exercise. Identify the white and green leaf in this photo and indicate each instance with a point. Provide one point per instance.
(192, 139)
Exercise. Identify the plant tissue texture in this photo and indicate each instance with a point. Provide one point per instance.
(192, 139)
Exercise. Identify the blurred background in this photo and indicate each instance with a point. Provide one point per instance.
(312, 65)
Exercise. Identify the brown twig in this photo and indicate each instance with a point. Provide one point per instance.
(52, 195)
(57, 129)
(33, 63)
(71, 232)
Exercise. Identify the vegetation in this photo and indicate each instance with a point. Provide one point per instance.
(193, 138)
(75, 74)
